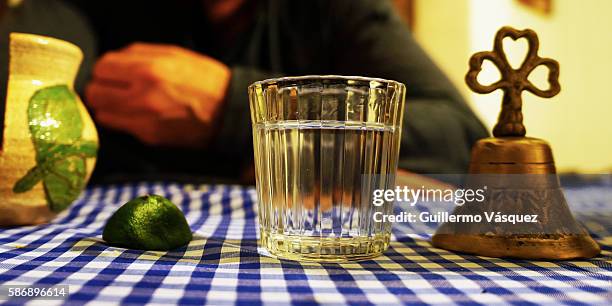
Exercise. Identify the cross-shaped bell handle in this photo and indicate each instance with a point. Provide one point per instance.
(513, 81)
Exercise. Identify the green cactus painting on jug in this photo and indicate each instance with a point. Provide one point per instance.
(56, 129)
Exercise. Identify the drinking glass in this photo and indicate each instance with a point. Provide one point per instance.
(322, 144)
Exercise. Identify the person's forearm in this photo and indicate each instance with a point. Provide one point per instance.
(437, 136)
(439, 127)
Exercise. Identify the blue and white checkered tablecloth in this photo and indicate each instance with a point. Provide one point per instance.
(222, 264)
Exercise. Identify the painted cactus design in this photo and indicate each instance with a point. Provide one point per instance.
(56, 130)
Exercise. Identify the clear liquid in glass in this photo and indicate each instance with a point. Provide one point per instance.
(312, 186)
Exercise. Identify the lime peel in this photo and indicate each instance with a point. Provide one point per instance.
(150, 222)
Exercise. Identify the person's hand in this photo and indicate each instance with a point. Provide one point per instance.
(161, 94)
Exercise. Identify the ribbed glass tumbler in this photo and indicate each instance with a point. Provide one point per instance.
(322, 145)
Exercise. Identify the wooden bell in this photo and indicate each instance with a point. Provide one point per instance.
(518, 172)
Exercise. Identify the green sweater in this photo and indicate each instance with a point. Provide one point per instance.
(283, 38)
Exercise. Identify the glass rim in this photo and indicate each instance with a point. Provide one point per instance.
(292, 80)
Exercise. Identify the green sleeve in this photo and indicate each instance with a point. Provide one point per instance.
(438, 128)
(234, 137)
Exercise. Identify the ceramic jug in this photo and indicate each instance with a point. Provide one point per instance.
(48, 142)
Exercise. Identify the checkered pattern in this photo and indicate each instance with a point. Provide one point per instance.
(223, 265)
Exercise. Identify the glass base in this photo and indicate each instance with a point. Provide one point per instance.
(328, 249)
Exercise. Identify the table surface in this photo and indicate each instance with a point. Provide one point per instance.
(223, 265)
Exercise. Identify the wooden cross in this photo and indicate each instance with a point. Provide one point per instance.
(513, 81)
